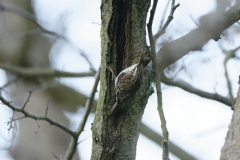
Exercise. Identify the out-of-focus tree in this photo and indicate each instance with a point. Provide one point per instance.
(24, 55)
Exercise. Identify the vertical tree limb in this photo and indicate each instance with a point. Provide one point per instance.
(230, 150)
(73, 143)
(165, 155)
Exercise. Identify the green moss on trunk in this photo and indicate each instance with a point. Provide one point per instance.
(123, 38)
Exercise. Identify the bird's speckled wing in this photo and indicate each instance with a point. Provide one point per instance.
(130, 83)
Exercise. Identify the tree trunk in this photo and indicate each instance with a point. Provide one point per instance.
(231, 148)
(123, 39)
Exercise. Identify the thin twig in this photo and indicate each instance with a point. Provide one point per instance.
(37, 127)
(73, 144)
(83, 139)
(164, 13)
(37, 117)
(10, 122)
(46, 111)
(89, 62)
(227, 76)
(89, 103)
(170, 18)
(19, 118)
(43, 72)
(229, 55)
(81, 52)
(24, 105)
(165, 143)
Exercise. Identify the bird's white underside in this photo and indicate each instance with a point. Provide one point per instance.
(126, 70)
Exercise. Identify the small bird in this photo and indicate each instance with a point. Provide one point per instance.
(127, 83)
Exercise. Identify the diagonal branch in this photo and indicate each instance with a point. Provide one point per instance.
(187, 87)
(24, 105)
(228, 56)
(165, 143)
(217, 23)
(157, 138)
(162, 19)
(36, 117)
(89, 103)
(73, 143)
(170, 18)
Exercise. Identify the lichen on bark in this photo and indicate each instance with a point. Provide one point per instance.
(123, 39)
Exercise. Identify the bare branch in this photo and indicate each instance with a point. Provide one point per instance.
(89, 103)
(173, 51)
(19, 118)
(157, 138)
(10, 123)
(44, 72)
(24, 105)
(81, 52)
(37, 127)
(83, 139)
(228, 56)
(162, 19)
(37, 117)
(229, 86)
(187, 87)
(88, 107)
(170, 18)
(89, 62)
(46, 109)
(165, 142)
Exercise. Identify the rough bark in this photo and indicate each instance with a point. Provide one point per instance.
(231, 148)
(123, 39)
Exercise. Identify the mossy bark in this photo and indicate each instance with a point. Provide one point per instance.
(123, 39)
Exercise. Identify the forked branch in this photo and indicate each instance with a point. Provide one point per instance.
(33, 116)
(165, 141)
